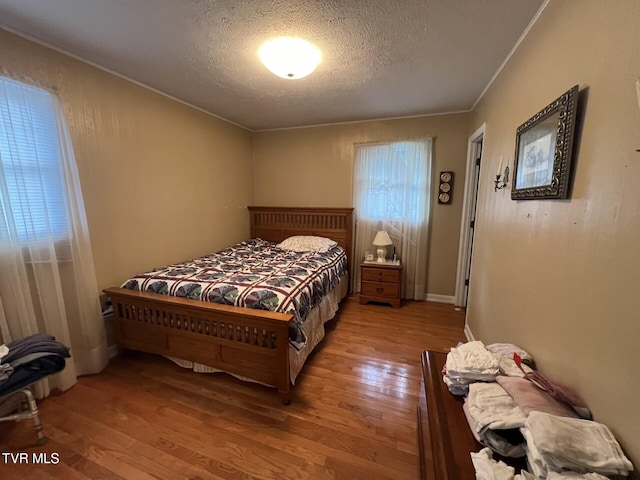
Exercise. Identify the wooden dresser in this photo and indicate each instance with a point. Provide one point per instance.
(445, 439)
(380, 282)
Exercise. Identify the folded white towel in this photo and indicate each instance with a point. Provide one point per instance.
(536, 462)
(573, 444)
(493, 439)
(472, 360)
(493, 408)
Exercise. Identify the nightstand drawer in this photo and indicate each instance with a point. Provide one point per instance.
(376, 289)
(387, 275)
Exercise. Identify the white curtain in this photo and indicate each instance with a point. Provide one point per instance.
(47, 274)
(391, 192)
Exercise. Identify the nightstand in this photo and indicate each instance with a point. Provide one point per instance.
(380, 282)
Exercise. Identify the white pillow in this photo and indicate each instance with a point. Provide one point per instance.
(307, 243)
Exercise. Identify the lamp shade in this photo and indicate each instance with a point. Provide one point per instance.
(382, 239)
(289, 57)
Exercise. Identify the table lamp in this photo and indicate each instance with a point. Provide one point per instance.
(381, 241)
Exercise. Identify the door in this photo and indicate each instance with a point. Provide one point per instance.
(472, 220)
(469, 210)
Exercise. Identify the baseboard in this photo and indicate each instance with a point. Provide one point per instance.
(112, 350)
(433, 297)
(468, 333)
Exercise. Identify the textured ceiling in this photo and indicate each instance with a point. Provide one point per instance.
(381, 59)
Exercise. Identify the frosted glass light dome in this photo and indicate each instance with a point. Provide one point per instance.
(290, 57)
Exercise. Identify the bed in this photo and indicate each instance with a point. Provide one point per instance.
(249, 343)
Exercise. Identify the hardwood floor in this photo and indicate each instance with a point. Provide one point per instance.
(353, 413)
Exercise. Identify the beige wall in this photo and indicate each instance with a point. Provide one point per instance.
(562, 278)
(162, 182)
(313, 167)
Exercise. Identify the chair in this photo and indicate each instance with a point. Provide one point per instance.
(19, 382)
(31, 414)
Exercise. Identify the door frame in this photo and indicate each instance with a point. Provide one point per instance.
(468, 206)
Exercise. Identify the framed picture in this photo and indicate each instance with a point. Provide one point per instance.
(544, 145)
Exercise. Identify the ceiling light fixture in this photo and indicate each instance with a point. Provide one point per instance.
(290, 57)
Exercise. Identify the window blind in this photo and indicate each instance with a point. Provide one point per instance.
(31, 175)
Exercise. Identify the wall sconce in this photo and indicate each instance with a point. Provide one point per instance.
(502, 178)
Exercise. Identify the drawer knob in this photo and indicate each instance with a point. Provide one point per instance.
(379, 290)
(379, 276)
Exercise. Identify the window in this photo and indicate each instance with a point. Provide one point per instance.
(391, 192)
(31, 175)
(47, 275)
(391, 181)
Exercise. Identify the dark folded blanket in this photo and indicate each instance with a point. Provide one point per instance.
(32, 371)
(38, 343)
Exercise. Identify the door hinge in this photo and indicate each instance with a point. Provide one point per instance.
(466, 282)
(472, 224)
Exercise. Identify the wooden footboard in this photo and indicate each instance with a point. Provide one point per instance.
(246, 342)
(243, 341)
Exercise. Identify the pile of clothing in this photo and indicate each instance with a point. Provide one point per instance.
(516, 411)
(468, 363)
(472, 362)
(29, 359)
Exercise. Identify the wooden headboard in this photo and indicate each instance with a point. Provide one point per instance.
(277, 223)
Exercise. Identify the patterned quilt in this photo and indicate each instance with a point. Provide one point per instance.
(253, 274)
